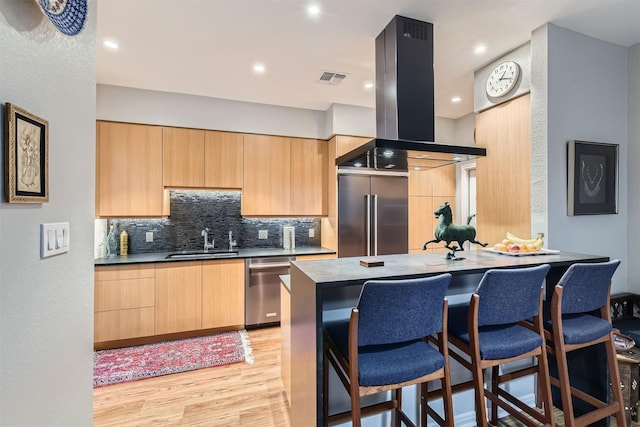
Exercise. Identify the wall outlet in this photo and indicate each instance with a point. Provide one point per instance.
(312, 232)
(149, 236)
(263, 234)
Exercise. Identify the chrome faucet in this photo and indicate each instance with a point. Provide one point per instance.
(232, 242)
(207, 245)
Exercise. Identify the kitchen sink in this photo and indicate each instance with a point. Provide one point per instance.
(201, 254)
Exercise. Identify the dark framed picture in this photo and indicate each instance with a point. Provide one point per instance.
(26, 157)
(592, 178)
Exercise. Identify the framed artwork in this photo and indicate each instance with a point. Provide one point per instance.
(592, 178)
(26, 157)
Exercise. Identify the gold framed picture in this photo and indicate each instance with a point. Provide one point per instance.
(26, 157)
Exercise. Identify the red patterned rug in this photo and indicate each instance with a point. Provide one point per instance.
(170, 357)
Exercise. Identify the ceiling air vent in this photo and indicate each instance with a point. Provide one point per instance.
(331, 78)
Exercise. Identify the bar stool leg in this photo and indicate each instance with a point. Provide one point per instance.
(481, 408)
(614, 373)
(495, 372)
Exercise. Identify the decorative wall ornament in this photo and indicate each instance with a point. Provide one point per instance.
(26, 157)
(68, 16)
(592, 178)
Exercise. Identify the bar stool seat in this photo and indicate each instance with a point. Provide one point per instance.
(503, 323)
(383, 347)
(578, 317)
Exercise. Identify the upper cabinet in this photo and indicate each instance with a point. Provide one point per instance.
(195, 158)
(223, 157)
(182, 157)
(128, 170)
(284, 176)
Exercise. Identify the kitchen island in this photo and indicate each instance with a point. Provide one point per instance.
(325, 290)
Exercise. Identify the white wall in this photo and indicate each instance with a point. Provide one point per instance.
(587, 99)
(633, 171)
(46, 305)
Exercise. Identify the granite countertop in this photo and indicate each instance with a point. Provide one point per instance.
(242, 253)
(340, 271)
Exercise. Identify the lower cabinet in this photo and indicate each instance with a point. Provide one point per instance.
(124, 302)
(146, 300)
(222, 293)
(178, 297)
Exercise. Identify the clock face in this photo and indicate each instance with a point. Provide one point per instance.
(502, 79)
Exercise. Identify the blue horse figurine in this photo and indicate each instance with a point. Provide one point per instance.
(448, 232)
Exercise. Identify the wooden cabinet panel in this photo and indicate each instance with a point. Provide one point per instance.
(124, 294)
(222, 293)
(503, 178)
(267, 175)
(182, 159)
(129, 170)
(315, 257)
(124, 302)
(178, 297)
(223, 159)
(308, 177)
(420, 221)
(123, 324)
(128, 271)
(444, 182)
(345, 143)
(285, 343)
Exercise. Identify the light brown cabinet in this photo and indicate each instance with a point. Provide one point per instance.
(195, 158)
(428, 189)
(182, 157)
(503, 178)
(223, 158)
(222, 293)
(124, 302)
(178, 297)
(284, 176)
(129, 170)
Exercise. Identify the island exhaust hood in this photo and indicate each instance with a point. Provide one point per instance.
(405, 105)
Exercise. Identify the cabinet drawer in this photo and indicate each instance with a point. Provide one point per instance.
(123, 324)
(120, 272)
(124, 294)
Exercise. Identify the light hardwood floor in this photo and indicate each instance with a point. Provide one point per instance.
(234, 395)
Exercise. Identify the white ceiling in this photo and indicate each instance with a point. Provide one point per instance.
(208, 47)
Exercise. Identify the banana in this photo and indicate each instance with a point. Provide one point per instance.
(538, 241)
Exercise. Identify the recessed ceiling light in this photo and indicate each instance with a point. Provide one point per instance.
(368, 85)
(313, 10)
(480, 49)
(258, 68)
(456, 99)
(110, 44)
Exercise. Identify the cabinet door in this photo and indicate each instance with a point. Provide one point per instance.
(308, 177)
(129, 170)
(223, 293)
(182, 160)
(223, 157)
(178, 297)
(124, 302)
(267, 175)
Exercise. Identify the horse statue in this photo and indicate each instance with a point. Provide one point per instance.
(448, 232)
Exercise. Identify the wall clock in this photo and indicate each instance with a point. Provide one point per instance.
(503, 79)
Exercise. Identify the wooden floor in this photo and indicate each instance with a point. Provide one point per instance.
(235, 395)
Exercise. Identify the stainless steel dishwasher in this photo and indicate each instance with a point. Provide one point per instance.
(262, 289)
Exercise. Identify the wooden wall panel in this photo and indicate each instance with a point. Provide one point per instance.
(503, 177)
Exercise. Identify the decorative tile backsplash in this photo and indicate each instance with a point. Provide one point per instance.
(194, 210)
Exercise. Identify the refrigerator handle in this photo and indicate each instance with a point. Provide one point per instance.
(375, 225)
(368, 223)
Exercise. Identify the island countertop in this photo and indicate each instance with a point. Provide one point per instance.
(321, 290)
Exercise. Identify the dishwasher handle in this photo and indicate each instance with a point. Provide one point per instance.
(269, 266)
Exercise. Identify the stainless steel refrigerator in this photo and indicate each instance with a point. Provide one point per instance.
(372, 214)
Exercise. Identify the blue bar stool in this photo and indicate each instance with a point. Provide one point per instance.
(503, 323)
(578, 317)
(383, 347)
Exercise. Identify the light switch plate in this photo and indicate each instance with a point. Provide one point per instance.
(312, 232)
(149, 236)
(54, 239)
(263, 234)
